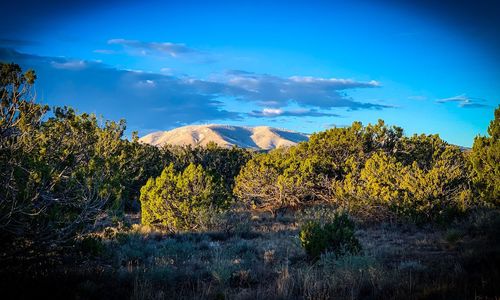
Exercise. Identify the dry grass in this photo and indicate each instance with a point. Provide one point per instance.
(266, 261)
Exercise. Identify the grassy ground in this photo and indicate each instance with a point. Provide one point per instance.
(261, 258)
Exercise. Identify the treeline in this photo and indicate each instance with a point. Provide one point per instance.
(374, 172)
(59, 170)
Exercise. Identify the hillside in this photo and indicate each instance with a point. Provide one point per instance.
(260, 137)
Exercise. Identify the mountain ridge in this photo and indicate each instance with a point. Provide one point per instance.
(258, 137)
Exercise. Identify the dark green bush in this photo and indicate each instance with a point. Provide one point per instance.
(91, 245)
(336, 236)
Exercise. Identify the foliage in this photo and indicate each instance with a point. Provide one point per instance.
(485, 158)
(137, 163)
(92, 245)
(223, 163)
(53, 181)
(383, 187)
(333, 147)
(373, 171)
(177, 200)
(269, 182)
(336, 236)
(301, 175)
(58, 171)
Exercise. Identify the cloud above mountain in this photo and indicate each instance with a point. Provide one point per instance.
(147, 100)
(275, 91)
(153, 101)
(277, 112)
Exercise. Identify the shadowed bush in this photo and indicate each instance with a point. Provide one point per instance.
(336, 237)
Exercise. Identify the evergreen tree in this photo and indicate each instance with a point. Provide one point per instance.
(485, 158)
(177, 200)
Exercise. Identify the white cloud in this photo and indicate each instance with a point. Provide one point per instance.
(334, 82)
(272, 112)
(167, 100)
(70, 65)
(117, 93)
(275, 112)
(175, 50)
(104, 51)
(146, 83)
(459, 98)
(166, 70)
(310, 91)
(464, 101)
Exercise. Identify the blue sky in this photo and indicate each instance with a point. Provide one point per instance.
(302, 65)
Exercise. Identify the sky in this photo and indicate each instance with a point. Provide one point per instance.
(301, 65)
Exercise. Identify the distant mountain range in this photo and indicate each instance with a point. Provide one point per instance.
(258, 138)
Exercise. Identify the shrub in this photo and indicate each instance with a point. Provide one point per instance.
(301, 175)
(419, 191)
(262, 183)
(234, 221)
(336, 237)
(56, 173)
(221, 162)
(484, 157)
(181, 200)
(91, 245)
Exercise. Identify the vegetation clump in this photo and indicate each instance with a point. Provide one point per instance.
(485, 158)
(419, 191)
(373, 171)
(56, 173)
(336, 237)
(180, 200)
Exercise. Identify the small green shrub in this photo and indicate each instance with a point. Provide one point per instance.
(336, 236)
(453, 235)
(182, 200)
(91, 245)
